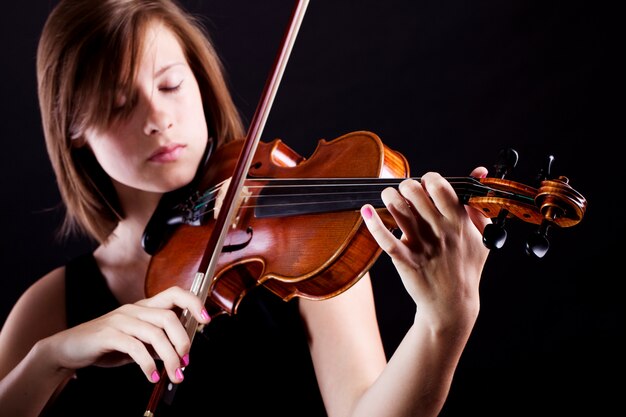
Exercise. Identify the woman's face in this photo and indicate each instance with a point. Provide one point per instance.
(159, 145)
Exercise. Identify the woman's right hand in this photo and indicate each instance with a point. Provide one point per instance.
(138, 332)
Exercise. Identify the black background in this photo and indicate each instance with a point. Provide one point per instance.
(447, 83)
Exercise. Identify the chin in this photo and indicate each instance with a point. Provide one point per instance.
(175, 182)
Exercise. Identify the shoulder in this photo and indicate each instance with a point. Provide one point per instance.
(38, 313)
(41, 308)
(43, 302)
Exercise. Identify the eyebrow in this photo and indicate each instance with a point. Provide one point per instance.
(166, 67)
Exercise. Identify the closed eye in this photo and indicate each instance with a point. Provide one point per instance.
(171, 89)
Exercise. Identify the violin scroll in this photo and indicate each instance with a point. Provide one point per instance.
(553, 203)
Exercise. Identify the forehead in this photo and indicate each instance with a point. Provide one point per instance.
(160, 47)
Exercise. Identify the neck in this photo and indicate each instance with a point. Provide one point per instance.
(121, 257)
(138, 207)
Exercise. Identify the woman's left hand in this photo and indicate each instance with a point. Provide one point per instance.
(440, 255)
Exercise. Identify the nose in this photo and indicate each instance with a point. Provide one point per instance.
(158, 119)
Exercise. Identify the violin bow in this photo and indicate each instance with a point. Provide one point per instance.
(203, 278)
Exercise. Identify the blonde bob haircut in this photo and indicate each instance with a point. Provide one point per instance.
(88, 52)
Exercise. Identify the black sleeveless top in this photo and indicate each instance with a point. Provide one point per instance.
(256, 362)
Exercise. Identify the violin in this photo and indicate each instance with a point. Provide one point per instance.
(298, 229)
(261, 214)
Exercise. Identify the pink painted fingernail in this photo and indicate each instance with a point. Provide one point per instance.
(179, 374)
(155, 376)
(367, 212)
(205, 314)
(186, 359)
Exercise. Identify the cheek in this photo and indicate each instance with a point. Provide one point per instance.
(195, 125)
(112, 155)
(195, 134)
(193, 113)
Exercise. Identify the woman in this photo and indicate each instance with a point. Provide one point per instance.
(130, 93)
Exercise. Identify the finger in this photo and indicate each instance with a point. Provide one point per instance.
(118, 341)
(399, 207)
(168, 322)
(165, 335)
(443, 197)
(477, 217)
(479, 172)
(178, 297)
(423, 208)
(385, 239)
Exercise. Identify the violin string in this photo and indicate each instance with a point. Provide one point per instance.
(467, 185)
(210, 196)
(295, 204)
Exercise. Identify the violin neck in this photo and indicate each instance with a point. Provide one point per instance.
(292, 197)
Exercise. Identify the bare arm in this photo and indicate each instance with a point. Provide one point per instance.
(439, 258)
(28, 377)
(37, 352)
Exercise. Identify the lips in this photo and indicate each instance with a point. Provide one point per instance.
(169, 153)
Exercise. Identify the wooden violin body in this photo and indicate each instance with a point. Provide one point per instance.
(314, 255)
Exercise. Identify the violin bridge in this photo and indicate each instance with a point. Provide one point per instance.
(221, 194)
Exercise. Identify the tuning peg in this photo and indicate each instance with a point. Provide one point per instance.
(507, 160)
(545, 172)
(537, 244)
(495, 234)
